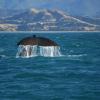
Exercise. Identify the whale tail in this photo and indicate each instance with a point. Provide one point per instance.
(34, 46)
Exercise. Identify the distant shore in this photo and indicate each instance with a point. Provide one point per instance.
(49, 31)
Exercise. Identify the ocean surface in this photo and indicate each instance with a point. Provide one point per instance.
(73, 76)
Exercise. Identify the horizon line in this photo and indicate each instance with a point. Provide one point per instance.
(49, 31)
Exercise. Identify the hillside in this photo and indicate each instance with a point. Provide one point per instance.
(46, 20)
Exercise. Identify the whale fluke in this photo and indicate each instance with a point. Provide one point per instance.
(34, 46)
(40, 41)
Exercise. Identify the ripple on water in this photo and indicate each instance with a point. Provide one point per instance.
(1, 50)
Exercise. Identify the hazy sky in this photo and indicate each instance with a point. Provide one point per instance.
(77, 7)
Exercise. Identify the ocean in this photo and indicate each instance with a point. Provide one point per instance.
(73, 76)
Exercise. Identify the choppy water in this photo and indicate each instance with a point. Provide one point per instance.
(74, 76)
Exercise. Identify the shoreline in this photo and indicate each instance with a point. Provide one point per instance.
(49, 32)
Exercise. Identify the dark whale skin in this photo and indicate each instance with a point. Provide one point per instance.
(40, 41)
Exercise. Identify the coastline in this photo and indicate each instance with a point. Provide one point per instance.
(52, 32)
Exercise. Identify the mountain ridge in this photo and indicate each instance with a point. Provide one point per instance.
(47, 20)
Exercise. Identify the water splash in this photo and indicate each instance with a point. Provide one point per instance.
(26, 51)
(50, 51)
(33, 51)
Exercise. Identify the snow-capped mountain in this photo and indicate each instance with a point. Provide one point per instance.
(48, 20)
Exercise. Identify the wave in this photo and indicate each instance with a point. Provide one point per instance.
(76, 56)
(3, 56)
(1, 49)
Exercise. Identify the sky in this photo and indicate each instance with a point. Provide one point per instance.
(74, 7)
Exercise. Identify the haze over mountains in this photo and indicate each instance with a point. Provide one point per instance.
(74, 7)
(45, 20)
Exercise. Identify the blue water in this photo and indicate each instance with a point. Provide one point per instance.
(74, 76)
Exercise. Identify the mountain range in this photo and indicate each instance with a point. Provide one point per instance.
(45, 20)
